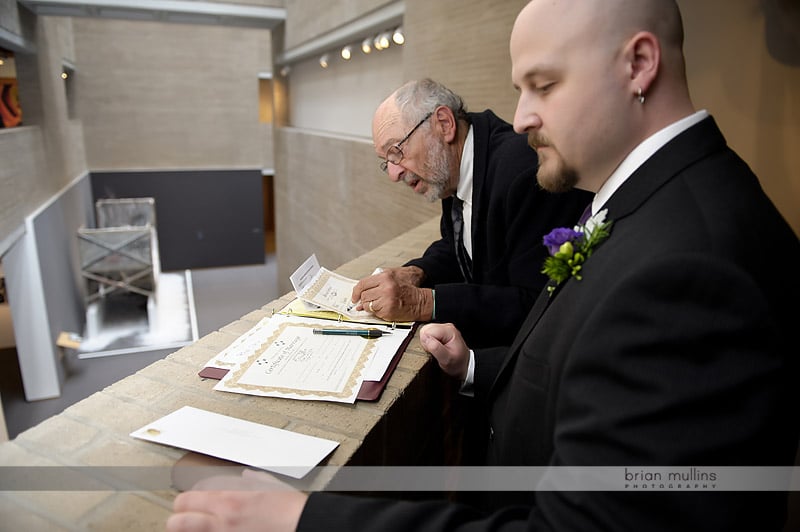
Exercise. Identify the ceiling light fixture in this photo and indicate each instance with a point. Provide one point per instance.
(323, 61)
(398, 36)
(347, 52)
(384, 40)
(366, 45)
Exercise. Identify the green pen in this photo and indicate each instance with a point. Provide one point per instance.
(364, 333)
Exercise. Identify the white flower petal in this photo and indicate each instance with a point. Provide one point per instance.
(595, 221)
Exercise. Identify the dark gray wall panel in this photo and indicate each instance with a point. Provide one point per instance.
(56, 228)
(204, 218)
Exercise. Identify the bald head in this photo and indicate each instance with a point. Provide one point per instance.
(596, 78)
(607, 23)
(412, 101)
(387, 116)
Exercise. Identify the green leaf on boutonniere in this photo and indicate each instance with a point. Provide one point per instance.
(570, 248)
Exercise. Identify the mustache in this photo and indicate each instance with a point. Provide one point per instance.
(410, 177)
(536, 140)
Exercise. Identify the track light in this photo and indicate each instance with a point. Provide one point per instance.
(381, 41)
(285, 71)
(398, 37)
(64, 75)
(384, 40)
(366, 45)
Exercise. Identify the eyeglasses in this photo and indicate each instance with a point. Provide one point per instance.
(394, 154)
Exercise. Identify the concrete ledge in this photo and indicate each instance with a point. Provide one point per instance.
(402, 427)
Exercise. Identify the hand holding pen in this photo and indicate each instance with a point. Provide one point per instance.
(392, 295)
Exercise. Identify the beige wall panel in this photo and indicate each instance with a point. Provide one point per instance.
(23, 156)
(463, 44)
(306, 19)
(155, 95)
(267, 145)
(264, 51)
(343, 97)
(332, 200)
(752, 90)
(44, 156)
(64, 143)
(62, 32)
(74, 150)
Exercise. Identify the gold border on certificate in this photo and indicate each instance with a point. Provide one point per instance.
(351, 385)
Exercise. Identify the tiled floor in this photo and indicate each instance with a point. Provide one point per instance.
(221, 295)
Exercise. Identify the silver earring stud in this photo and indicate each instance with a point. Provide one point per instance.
(640, 96)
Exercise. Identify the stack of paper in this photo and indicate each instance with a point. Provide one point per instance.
(282, 357)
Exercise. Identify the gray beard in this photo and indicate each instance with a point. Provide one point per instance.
(438, 168)
(438, 164)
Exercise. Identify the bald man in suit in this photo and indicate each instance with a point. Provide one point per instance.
(671, 345)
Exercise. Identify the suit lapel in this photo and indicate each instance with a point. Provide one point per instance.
(480, 139)
(541, 304)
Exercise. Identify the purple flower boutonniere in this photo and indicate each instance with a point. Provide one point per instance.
(569, 248)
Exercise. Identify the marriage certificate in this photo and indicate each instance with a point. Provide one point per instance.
(293, 362)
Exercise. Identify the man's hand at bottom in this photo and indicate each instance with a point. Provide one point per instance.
(253, 501)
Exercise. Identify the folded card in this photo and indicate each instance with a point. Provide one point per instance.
(252, 444)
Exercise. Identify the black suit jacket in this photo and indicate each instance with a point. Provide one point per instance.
(673, 350)
(510, 215)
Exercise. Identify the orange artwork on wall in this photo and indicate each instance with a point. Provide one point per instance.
(10, 112)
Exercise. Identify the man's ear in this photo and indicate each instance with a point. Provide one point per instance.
(445, 123)
(643, 55)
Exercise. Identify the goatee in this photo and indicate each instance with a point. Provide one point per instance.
(563, 179)
(558, 177)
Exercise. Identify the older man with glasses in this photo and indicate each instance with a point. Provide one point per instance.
(484, 273)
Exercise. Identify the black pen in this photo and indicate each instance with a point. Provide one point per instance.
(364, 333)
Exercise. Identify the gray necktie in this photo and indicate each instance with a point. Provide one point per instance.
(464, 262)
(587, 213)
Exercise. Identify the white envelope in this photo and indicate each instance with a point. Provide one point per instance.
(252, 444)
